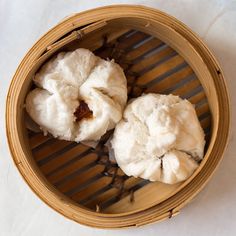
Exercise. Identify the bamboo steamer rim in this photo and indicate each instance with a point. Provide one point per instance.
(170, 206)
(94, 26)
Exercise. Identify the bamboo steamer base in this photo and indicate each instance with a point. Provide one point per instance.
(158, 54)
(86, 175)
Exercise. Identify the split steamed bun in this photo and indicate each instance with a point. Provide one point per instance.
(159, 139)
(78, 83)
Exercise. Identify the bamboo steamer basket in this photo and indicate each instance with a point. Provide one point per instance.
(158, 54)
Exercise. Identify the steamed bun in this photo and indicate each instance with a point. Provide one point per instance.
(159, 139)
(76, 82)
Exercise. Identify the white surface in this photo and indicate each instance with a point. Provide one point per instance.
(213, 211)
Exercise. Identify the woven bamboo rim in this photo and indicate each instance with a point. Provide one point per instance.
(169, 30)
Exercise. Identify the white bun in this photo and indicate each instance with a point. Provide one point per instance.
(67, 79)
(159, 138)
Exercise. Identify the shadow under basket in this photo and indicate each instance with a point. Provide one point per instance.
(158, 54)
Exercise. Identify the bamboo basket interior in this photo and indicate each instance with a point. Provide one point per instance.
(155, 58)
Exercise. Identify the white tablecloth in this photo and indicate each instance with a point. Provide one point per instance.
(213, 211)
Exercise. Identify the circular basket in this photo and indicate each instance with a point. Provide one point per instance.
(158, 54)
